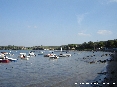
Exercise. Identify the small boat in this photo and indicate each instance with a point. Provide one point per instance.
(31, 53)
(47, 55)
(23, 56)
(12, 59)
(62, 55)
(2, 55)
(53, 57)
(4, 61)
(4, 52)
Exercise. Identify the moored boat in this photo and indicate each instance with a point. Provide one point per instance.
(47, 55)
(53, 57)
(4, 61)
(31, 53)
(23, 56)
(64, 55)
(12, 59)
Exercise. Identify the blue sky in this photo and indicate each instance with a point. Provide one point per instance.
(57, 22)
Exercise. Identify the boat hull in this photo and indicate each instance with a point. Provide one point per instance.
(4, 61)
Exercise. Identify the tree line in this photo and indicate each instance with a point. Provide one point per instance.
(101, 45)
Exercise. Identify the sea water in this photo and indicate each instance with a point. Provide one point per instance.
(40, 71)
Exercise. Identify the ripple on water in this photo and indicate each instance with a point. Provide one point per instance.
(41, 71)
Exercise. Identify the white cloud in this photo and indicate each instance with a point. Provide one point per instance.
(104, 32)
(29, 26)
(32, 26)
(35, 26)
(107, 1)
(113, 0)
(83, 34)
(80, 18)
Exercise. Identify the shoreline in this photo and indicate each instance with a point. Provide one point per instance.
(108, 77)
(111, 76)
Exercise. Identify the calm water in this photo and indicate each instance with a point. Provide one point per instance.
(41, 71)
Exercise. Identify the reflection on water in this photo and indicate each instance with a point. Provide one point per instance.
(41, 71)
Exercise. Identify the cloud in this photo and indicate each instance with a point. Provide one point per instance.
(108, 1)
(35, 26)
(32, 26)
(83, 34)
(29, 26)
(104, 32)
(113, 0)
(80, 18)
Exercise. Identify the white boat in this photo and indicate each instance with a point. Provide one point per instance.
(31, 54)
(53, 57)
(64, 55)
(12, 59)
(47, 55)
(23, 56)
(2, 55)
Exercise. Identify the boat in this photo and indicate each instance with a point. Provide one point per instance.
(23, 56)
(53, 57)
(64, 55)
(47, 55)
(31, 53)
(2, 56)
(4, 61)
(12, 59)
(4, 52)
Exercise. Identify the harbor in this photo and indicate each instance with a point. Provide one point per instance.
(77, 70)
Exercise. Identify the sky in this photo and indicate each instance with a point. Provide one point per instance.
(57, 22)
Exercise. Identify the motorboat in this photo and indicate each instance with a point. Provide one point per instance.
(31, 53)
(2, 56)
(53, 57)
(48, 55)
(23, 56)
(4, 61)
(4, 52)
(12, 59)
(64, 55)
